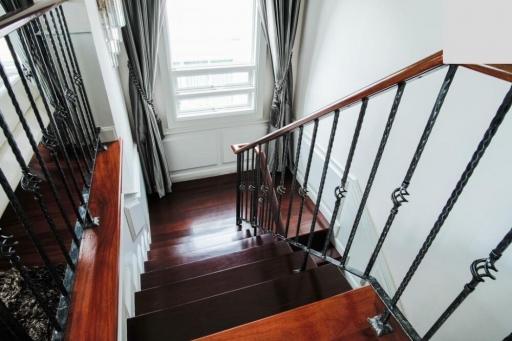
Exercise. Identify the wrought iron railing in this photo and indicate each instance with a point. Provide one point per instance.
(261, 186)
(40, 243)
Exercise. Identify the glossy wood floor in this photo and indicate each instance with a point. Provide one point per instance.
(198, 206)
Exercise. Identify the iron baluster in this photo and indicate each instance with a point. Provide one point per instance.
(480, 269)
(58, 102)
(270, 203)
(373, 172)
(75, 85)
(68, 114)
(252, 186)
(247, 193)
(294, 180)
(71, 93)
(281, 189)
(32, 181)
(341, 191)
(78, 75)
(303, 191)
(457, 191)
(37, 55)
(8, 251)
(238, 189)
(48, 140)
(22, 217)
(242, 188)
(321, 187)
(398, 196)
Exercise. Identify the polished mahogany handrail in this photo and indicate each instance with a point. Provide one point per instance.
(13, 20)
(412, 71)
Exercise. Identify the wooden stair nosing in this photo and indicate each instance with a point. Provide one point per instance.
(341, 317)
(221, 249)
(196, 244)
(228, 231)
(224, 311)
(209, 285)
(213, 264)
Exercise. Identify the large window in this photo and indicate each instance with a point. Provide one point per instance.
(213, 57)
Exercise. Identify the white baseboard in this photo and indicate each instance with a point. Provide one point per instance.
(203, 172)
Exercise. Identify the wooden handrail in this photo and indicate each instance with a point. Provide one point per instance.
(13, 20)
(412, 71)
(95, 295)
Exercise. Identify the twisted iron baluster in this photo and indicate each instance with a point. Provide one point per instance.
(70, 100)
(55, 89)
(459, 187)
(264, 188)
(35, 54)
(294, 180)
(7, 250)
(49, 140)
(373, 172)
(257, 166)
(270, 203)
(22, 217)
(252, 188)
(281, 189)
(77, 78)
(398, 196)
(71, 94)
(247, 193)
(321, 187)
(480, 269)
(303, 191)
(31, 181)
(340, 191)
(238, 189)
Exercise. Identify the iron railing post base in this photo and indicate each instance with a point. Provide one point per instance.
(379, 327)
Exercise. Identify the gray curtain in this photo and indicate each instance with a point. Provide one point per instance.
(141, 36)
(279, 20)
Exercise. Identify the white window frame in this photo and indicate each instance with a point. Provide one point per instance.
(177, 123)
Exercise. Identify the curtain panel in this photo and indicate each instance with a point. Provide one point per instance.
(279, 20)
(141, 37)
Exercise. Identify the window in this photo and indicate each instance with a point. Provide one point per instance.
(213, 57)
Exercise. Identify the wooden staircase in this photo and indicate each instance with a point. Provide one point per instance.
(212, 279)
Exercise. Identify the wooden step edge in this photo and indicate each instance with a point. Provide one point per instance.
(146, 278)
(156, 264)
(204, 284)
(198, 242)
(341, 317)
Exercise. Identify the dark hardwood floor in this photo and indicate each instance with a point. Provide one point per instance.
(208, 205)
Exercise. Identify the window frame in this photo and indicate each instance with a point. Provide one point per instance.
(176, 122)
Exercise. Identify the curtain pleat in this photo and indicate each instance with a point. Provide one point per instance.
(141, 36)
(279, 22)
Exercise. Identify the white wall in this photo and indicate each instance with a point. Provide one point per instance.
(347, 44)
(107, 96)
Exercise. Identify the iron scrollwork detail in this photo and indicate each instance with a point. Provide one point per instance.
(303, 192)
(339, 192)
(30, 182)
(281, 190)
(399, 196)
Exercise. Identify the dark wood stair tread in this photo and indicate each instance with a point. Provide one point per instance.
(196, 243)
(237, 307)
(228, 234)
(182, 229)
(167, 296)
(213, 264)
(167, 260)
(342, 317)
